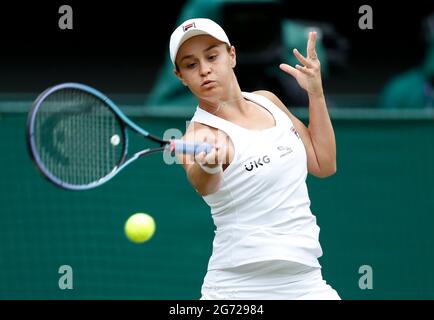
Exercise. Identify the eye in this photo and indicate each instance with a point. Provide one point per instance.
(191, 65)
(212, 57)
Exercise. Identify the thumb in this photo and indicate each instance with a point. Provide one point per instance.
(288, 69)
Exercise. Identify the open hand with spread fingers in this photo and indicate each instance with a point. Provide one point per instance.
(308, 75)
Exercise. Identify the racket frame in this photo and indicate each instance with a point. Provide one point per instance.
(123, 120)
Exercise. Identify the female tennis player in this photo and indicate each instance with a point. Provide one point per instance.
(266, 243)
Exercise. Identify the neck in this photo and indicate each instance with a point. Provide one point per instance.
(232, 99)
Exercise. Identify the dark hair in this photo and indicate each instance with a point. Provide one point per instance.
(228, 48)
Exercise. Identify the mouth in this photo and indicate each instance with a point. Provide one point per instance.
(207, 83)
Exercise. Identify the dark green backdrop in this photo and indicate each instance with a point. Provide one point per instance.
(378, 210)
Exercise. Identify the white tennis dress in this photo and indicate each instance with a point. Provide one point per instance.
(266, 239)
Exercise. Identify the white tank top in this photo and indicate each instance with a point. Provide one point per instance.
(262, 208)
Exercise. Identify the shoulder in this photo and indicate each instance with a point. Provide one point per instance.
(414, 75)
(272, 97)
(297, 123)
(194, 128)
(403, 91)
(275, 99)
(197, 131)
(194, 125)
(269, 95)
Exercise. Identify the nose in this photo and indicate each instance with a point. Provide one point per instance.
(205, 68)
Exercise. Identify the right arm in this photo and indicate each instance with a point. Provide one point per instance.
(204, 183)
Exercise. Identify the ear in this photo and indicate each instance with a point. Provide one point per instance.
(233, 57)
(179, 76)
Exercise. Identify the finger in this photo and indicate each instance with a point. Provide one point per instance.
(311, 43)
(200, 157)
(212, 157)
(304, 70)
(302, 59)
(221, 154)
(288, 69)
(209, 139)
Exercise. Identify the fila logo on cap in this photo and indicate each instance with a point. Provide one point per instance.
(188, 26)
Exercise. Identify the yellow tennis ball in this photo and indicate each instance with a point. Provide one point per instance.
(140, 227)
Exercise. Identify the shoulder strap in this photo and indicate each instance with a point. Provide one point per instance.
(280, 116)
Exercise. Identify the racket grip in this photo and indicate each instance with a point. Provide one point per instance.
(181, 146)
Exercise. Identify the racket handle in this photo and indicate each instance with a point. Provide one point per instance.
(181, 146)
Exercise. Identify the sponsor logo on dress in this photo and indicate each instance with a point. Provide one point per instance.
(261, 161)
(285, 150)
(295, 132)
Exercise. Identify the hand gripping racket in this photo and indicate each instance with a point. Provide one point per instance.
(78, 137)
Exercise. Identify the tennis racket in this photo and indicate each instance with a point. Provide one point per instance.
(78, 137)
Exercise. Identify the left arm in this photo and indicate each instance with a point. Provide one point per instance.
(318, 137)
(322, 135)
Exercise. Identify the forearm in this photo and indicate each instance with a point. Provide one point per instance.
(204, 183)
(322, 134)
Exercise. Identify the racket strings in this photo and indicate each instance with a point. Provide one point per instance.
(78, 138)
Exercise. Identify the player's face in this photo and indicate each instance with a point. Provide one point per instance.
(205, 65)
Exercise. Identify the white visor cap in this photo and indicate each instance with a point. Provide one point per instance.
(195, 27)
